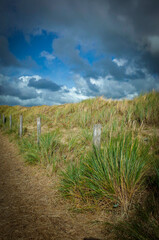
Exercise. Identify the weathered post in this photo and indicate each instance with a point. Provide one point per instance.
(10, 122)
(97, 135)
(21, 126)
(3, 119)
(38, 130)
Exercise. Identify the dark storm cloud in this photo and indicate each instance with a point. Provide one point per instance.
(65, 48)
(6, 57)
(143, 14)
(119, 27)
(11, 87)
(43, 84)
(125, 29)
(9, 63)
(15, 92)
(132, 17)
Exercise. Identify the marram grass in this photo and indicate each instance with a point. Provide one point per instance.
(48, 152)
(116, 172)
(145, 108)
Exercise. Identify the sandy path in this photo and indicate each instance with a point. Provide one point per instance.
(30, 207)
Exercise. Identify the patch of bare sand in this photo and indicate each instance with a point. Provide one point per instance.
(30, 206)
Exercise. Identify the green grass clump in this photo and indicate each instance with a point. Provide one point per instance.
(29, 148)
(48, 151)
(114, 173)
(145, 108)
(70, 185)
(49, 146)
(143, 225)
(143, 222)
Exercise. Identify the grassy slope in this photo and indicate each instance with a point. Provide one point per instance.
(66, 145)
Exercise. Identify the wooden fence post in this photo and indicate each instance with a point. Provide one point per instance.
(21, 126)
(10, 122)
(3, 119)
(97, 135)
(38, 130)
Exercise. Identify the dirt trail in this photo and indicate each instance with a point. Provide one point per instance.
(30, 207)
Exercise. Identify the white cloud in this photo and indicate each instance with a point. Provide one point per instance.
(3, 79)
(109, 87)
(84, 88)
(64, 95)
(120, 62)
(48, 56)
(130, 70)
(131, 96)
(115, 89)
(24, 95)
(154, 44)
(18, 88)
(80, 83)
(104, 86)
(73, 95)
(147, 83)
(24, 80)
(98, 83)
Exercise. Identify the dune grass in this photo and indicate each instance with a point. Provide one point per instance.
(145, 108)
(115, 173)
(143, 222)
(48, 152)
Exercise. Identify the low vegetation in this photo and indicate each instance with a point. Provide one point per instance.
(119, 176)
(115, 173)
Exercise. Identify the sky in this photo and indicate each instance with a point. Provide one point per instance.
(66, 51)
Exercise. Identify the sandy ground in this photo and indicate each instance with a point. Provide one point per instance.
(30, 205)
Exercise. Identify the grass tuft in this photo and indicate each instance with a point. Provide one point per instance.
(115, 172)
